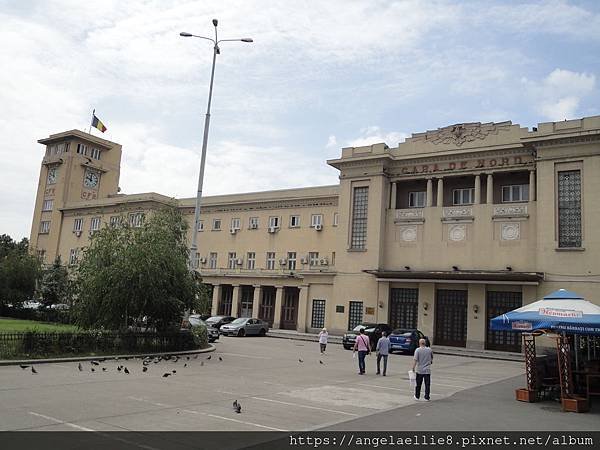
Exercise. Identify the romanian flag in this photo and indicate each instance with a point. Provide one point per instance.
(96, 123)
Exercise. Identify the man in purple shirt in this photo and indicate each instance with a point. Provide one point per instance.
(362, 345)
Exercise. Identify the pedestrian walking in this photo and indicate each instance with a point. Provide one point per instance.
(383, 350)
(323, 335)
(422, 360)
(363, 346)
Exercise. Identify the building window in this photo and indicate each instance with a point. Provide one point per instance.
(417, 199)
(336, 218)
(41, 254)
(95, 153)
(78, 225)
(95, 224)
(318, 314)
(216, 224)
(333, 258)
(201, 225)
(73, 256)
(253, 223)
(251, 260)
(316, 219)
(291, 261)
(515, 193)
(47, 205)
(463, 196)
(212, 261)
(82, 149)
(231, 260)
(52, 175)
(569, 209)
(273, 222)
(136, 220)
(235, 223)
(115, 221)
(313, 259)
(45, 227)
(270, 260)
(360, 203)
(294, 221)
(355, 314)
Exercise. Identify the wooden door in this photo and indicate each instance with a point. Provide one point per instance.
(266, 311)
(451, 318)
(289, 308)
(404, 308)
(498, 303)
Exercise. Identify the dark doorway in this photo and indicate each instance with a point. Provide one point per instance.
(498, 303)
(246, 301)
(451, 318)
(404, 308)
(226, 300)
(289, 308)
(266, 311)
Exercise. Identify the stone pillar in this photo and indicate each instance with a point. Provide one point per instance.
(429, 199)
(426, 311)
(383, 300)
(216, 298)
(532, 185)
(235, 301)
(302, 309)
(476, 320)
(489, 195)
(440, 192)
(477, 189)
(256, 301)
(394, 195)
(278, 302)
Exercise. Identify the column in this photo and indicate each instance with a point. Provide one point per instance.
(302, 309)
(235, 301)
(532, 185)
(278, 302)
(216, 298)
(256, 301)
(383, 300)
(440, 192)
(476, 320)
(426, 309)
(394, 194)
(429, 199)
(489, 195)
(477, 189)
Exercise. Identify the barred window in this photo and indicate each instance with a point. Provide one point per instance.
(569, 209)
(73, 253)
(78, 224)
(45, 227)
(355, 316)
(47, 205)
(115, 221)
(318, 314)
(136, 220)
(360, 205)
(95, 224)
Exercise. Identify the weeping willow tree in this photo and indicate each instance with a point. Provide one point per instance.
(137, 272)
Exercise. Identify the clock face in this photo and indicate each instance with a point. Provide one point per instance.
(91, 179)
(52, 175)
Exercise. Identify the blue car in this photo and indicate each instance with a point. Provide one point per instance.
(406, 340)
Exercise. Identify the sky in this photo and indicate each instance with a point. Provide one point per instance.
(318, 77)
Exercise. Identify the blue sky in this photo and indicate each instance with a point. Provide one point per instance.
(320, 76)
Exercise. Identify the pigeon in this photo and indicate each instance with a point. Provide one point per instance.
(195, 356)
(320, 362)
(188, 358)
(145, 363)
(175, 359)
(238, 408)
(145, 369)
(235, 404)
(126, 371)
(174, 371)
(209, 356)
(104, 369)
(93, 370)
(166, 375)
(80, 367)
(22, 366)
(220, 359)
(95, 363)
(300, 360)
(119, 368)
(33, 370)
(185, 365)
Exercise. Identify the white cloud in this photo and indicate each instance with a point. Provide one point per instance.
(331, 142)
(374, 135)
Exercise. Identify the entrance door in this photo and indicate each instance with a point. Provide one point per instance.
(289, 308)
(266, 311)
(226, 300)
(451, 318)
(498, 303)
(247, 300)
(404, 307)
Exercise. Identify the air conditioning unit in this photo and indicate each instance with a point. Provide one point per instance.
(318, 227)
(273, 229)
(233, 230)
(202, 260)
(324, 262)
(78, 233)
(283, 261)
(253, 226)
(304, 260)
(239, 261)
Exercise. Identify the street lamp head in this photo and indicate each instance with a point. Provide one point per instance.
(184, 34)
(215, 22)
(247, 40)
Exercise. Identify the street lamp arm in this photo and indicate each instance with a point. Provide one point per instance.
(236, 40)
(183, 34)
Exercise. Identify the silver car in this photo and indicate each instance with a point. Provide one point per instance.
(245, 326)
(211, 332)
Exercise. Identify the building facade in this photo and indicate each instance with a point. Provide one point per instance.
(446, 230)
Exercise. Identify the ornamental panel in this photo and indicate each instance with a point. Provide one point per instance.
(510, 231)
(457, 233)
(409, 233)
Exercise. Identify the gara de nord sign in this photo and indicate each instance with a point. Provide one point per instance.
(482, 163)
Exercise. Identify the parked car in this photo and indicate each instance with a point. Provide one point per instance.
(245, 326)
(406, 340)
(373, 330)
(218, 321)
(195, 321)
(60, 306)
(31, 304)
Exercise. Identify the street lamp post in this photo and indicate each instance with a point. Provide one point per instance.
(216, 51)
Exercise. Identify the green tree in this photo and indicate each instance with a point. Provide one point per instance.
(55, 284)
(19, 271)
(129, 272)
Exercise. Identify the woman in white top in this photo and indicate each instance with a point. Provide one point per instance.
(323, 335)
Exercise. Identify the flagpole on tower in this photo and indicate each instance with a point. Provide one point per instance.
(92, 121)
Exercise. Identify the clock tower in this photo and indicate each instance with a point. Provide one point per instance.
(77, 168)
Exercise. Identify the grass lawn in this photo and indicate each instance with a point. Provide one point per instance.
(8, 325)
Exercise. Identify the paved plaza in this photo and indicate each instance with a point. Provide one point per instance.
(276, 392)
